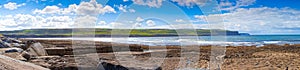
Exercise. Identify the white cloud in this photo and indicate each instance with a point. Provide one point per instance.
(58, 22)
(138, 25)
(102, 23)
(122, 8)
(125, 0)
(107, 9)
(150, 23)
(131, 10)
(13, 6)
(150, 3)
(84, 8)
(93, 8)
(119, 25)
(256, 20)
(59, 4)
(229, 6)
(179, 20)
(70, 10)
(224, 4)
(8, 22)
(48, 10)
(139, 19)
(190, 2)
(29, 21)
(85, 21)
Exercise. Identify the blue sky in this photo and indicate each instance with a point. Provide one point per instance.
(250, 16)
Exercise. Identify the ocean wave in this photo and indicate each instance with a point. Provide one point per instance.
(176, 41)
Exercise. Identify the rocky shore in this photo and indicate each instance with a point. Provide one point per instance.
(58, 55)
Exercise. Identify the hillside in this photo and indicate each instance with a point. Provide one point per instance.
(114, 32)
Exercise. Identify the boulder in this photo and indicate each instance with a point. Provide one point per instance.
(26, 55)
(16, 41)
(13, 50)
(7, 44)
(2, 45)
(10, 50)
(37, 49)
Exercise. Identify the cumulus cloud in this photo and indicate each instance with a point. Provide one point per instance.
(120, 25)
(30, 21)
(124, 8)
(255, 20)
(139, 19)
(125, 0)
(131, 10)
(12, 5)
(86, 11)
(190, 2)
(102, 23)
(93, 8)
(70, 10)
(48, 10)
(179, 20)
(230, 6)
(150, 3)
(84, 8)
(85, 21)
(223, 5)
(150, 23)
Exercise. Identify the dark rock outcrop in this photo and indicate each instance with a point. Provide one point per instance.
(109, 66)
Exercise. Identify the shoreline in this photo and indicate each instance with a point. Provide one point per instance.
(179, 42)
(60, 56)
(234, 55)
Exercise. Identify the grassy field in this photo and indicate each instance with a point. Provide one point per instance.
(133, 32)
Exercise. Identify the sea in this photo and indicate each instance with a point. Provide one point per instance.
(251, 40)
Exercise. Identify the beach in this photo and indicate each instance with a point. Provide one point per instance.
(276, 57)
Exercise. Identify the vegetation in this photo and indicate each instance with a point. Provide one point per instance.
(120, 32)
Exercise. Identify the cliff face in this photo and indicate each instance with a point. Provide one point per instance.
(116, 32)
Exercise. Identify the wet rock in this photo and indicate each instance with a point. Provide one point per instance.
(110, 66)
(10, 50)
(13, 50)
(18, 45)
(26, 55)
(2, 45)
(16, 41)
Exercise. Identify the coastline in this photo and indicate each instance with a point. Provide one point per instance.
(238, 57)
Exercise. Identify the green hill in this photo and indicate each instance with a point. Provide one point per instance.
(116, 32)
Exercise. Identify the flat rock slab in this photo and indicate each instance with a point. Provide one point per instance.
(7, 63)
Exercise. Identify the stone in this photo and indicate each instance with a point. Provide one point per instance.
(2, 45)
(9, 50)
(16, 44)
(26, 55)
(37, 49)
(110, 66)
(12, 50)
(16, 41)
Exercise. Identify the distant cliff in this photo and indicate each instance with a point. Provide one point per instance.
(116, 32)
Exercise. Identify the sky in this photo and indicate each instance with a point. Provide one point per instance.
(247, 16)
